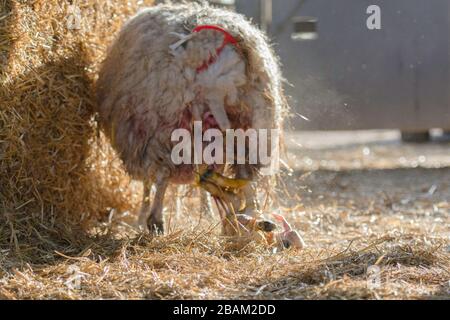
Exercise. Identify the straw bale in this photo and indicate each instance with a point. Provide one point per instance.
(53, 159)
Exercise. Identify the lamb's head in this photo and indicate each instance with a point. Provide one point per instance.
(244, 228)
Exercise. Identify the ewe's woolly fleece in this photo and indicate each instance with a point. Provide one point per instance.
(143, 87)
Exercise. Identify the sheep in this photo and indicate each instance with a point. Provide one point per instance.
(172, 64)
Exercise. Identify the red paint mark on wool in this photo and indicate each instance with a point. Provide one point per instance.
(229, 39)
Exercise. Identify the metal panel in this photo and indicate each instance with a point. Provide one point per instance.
(351, 77)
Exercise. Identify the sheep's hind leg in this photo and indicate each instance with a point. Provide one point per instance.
(155, 222)
(145, 207)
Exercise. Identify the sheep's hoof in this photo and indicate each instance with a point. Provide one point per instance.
(155, 227)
